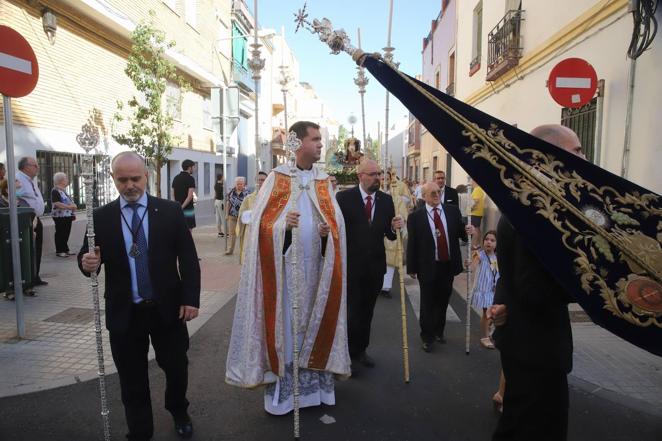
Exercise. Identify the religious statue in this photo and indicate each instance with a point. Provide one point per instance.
(353, 149)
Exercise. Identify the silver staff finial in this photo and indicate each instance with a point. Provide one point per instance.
(337, 40)
(88, 138)
(293, 143)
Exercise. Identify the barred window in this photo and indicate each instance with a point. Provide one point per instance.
(583, 121)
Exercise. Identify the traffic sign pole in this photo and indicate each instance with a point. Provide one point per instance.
(13, 218)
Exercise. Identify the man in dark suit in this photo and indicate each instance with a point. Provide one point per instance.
(448, 194)
(533, 332)
(369, 217)
(433, 257)
(152, 289)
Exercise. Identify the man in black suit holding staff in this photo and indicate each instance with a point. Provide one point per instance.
(369, 217)
(152, 290)
(433, 256)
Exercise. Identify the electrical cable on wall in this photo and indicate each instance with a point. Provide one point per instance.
(645, 26)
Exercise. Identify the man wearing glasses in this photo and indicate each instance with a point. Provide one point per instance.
(27, 171)
(369, 217)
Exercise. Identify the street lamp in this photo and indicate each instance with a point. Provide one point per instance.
(352, 120)
(361, 81)
(256, 64)
(49, 22)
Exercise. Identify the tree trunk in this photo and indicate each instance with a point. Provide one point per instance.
(158, 165)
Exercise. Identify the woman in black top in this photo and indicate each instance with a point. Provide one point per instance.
(63, 209)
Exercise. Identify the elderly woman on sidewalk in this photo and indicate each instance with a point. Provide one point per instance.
(63, 209)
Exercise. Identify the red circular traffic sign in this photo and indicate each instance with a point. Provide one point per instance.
(19, 70)
(572, 82)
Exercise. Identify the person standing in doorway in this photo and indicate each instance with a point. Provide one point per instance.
(183, 187)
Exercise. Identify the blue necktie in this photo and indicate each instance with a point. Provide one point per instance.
(142, 265)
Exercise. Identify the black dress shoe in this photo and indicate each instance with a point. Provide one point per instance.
(40, 282)
(184, 427)
(366, 360)
(427, 347)
(386, 294)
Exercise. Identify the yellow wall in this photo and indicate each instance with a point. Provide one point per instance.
(85, 68)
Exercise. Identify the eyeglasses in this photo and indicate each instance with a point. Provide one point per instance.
(373, 174)
(434, 193)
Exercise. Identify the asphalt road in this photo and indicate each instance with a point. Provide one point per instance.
(448, 397)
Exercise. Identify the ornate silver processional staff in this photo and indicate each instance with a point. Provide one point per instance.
(88, 139)
(292, 145)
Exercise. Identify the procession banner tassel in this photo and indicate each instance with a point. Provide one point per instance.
(88, 140)
(403, 308)
(467, 335)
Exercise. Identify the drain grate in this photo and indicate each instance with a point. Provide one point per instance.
(73, 316)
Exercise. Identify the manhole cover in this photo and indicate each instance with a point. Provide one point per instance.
(73, 316)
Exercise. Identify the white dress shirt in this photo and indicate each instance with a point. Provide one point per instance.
(430, 211)
(364, 196)
(127, 213)
(31, 194)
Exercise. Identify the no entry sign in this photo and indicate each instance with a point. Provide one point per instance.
(19, 70)
(572, 82)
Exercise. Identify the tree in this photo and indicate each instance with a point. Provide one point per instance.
(342, 136)
(373, 149)
(151, 122)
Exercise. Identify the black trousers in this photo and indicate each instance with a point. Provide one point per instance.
(130, 350)
(435, 294)
(362, 292)
(535, 405)
(62, 232)
(38, 245)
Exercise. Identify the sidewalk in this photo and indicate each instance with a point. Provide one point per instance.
(59, 348)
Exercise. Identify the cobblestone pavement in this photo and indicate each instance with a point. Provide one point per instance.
(59, 347)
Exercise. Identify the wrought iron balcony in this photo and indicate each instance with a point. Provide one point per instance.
(242, 76)
(504, 45)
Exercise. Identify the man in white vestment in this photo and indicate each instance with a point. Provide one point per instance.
(294, 201)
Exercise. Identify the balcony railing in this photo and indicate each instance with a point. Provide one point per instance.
(450, 90)
(504, 45)
(242, 76)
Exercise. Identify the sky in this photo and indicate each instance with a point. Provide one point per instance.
(332, 76)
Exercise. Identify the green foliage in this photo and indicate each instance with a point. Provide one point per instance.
(150, 131)
(343, 134)
(373, 150)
